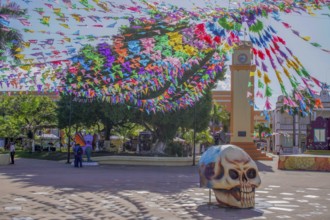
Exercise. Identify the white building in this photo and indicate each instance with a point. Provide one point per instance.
(291, 131)
(325, 111)
(284, 126)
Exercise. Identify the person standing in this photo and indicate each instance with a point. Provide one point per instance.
(79, 156)
(75, 151)
(281, 150)
(12, 152)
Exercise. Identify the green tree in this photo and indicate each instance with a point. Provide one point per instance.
(10, 127)
(28, 113)
(165, 126)
(87, 114)
(10, 38)
(127, 130)
(262, 127)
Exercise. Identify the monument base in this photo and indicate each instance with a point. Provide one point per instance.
(251, 149)
(304, 162)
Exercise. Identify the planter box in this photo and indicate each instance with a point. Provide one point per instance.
(4, 159)
(146, 161)
(304, 162)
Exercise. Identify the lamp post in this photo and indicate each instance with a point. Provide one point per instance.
(194, 149)
(69, 133)
(2, 109)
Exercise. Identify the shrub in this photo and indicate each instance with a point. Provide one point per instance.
(174, 149)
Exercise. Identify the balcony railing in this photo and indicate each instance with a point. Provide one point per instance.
(290, 127)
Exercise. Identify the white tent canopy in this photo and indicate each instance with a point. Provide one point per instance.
(49, 136)
(177, 139)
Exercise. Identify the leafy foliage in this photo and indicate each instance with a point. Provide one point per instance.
(262, 127)
(91, 113)
(11, 39)
(165, 125)
(27, 113)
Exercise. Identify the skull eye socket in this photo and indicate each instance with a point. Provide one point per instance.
(251, 173)
(233, 174)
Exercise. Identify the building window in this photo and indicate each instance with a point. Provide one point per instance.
(319, 135)
(288, 140)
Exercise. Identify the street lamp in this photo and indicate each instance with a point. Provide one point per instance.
(2, 109)
(194, 149)
(69, 133)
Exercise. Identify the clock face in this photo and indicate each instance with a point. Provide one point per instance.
(242, 58)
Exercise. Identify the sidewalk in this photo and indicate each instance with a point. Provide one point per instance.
(37, 189)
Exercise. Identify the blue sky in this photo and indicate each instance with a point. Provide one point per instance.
(316, 61)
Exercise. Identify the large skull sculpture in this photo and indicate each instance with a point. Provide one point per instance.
(232, 175)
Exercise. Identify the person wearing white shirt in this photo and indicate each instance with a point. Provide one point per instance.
(12, 152)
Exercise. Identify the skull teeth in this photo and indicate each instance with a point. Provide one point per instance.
(247, 196)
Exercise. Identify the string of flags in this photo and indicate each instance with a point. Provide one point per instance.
(163, 58)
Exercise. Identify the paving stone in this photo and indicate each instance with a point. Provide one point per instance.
(104, 192)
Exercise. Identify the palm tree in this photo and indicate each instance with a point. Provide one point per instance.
(261, 127)
(10, 39)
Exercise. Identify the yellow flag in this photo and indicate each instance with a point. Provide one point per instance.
(226, 47)
(286, 72)
(65, 25)
(28, 30)
(306, 38)
(278, 74)
(297, 60)
(57, 10)
(251, 74)
(289, 64)
(26, 44)
(67, 39)
(28, 60)
(20, 56)
(26, 67)
(266, 79)
(259, 73)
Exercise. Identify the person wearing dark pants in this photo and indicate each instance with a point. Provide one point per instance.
(79, 156)
(78, 151)
(12, 152)
(75, 151)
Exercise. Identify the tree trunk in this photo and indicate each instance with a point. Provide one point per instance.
(32, 140)
(108, 127)
(68, 145)
(159, 147)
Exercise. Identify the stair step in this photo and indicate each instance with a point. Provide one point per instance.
(253, 151)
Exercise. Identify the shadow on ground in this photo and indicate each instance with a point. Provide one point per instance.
(216, 212)
(265, 167)
(31, 172)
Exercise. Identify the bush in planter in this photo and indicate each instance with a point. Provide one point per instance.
(2, 150)
(174, 149)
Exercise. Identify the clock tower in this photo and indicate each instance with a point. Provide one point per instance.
(242, 115)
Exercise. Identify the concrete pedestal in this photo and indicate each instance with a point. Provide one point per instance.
(4, 159)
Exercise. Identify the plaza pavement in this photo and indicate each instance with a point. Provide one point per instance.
(38, 189)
